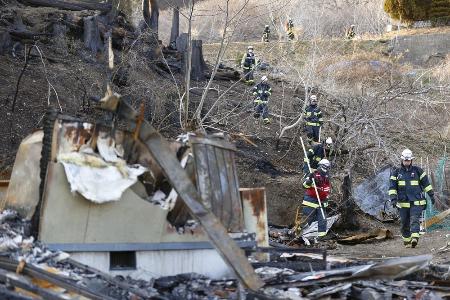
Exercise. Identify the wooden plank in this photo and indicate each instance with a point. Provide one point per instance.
(59, 280)
(224, 187)
(202, 171)
(25, 284)
(216, 200)
(237, 221)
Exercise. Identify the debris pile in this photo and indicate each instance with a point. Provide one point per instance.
(28, 269)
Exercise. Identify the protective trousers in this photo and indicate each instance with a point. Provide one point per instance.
(262, 109)
(313, 132)
(410, 217)
(312, 214)
(248, 74)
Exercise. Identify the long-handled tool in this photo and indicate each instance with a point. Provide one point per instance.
(314, 182)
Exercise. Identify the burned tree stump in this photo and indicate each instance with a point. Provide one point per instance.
(5, 42)
(175, 31)
(59, 37)
(182, 42)
(347, 206)
(150, 11)
(91, 34)
(198, 66)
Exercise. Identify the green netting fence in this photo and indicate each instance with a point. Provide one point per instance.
(441, 188)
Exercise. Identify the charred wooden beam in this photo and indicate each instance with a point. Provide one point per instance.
(59, 280)
(72, 5)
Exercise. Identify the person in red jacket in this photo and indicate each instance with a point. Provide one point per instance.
(311, 207)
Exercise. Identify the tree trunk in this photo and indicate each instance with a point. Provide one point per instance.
(91, 34)
(5, 42)
(151, 16)
(59, 39)
(175, 31)
(72, 5)
(182, 42)
(347, 206)
(198, 66)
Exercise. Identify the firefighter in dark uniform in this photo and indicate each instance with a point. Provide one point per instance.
(313, 119)
(407, 187)
(248, 64)
(290, 30)
(350, 32)
(262, 91)
(311, 207)
(317, 153)
(266, 32)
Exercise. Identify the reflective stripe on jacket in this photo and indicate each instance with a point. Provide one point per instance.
(313, 115)
(408, 185)
(323, 185)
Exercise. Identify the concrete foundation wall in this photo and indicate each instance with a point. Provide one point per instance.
(153, 264)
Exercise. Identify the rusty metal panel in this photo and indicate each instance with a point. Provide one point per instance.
(255, 214)
(217, 179)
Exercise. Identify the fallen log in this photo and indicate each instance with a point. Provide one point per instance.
(25, 34)
(226, 75)
(72, 5)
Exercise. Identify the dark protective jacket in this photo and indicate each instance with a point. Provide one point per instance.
(408, 185)
(323, 185)
(317, 153)
(266, 30)
(262, 91)
(313, 115)
(248, 61)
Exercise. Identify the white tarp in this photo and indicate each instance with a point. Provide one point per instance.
(95, 178)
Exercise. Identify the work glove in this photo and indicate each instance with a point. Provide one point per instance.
(394, 203)
(258, 101)
(433, 200)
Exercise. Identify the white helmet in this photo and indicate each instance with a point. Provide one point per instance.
(264, 78)
(324, 164)
(313, 98)
(407, 155)
(329, 141)
(250, 47)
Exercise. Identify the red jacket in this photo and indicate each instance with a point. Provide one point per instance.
(323, 185)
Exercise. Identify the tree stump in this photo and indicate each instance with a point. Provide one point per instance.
(347, 206)
(91, 34)
(150, 11)
(175, 31)
(182, 42)
(59, 38)
(198, 64)
(5, 42)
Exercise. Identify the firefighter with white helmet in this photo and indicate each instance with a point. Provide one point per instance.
(311, 207)
(318, 152)
(313, 119)
(262, 91)
(248, 64)
(407, 188)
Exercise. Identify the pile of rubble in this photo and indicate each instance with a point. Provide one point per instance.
(28, 270)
